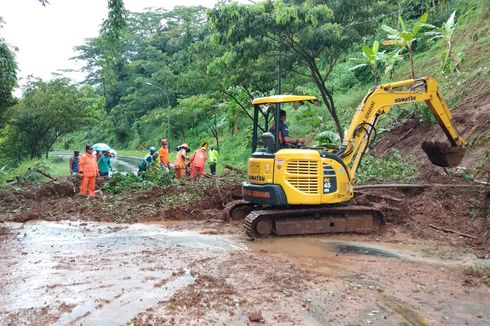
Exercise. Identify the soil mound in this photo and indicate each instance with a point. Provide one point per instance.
(471, 120)
(58, 200)
(60, 188)
(427, 212)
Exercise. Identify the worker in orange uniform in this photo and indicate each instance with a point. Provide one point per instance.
(89, 170)
(198, 161)
(179, 165)
(164, 161)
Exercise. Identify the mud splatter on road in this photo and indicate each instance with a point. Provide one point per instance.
(103, 273)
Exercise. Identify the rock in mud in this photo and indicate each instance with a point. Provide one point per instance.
(256, 317)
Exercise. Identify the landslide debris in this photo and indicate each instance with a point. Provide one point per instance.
(59, 200)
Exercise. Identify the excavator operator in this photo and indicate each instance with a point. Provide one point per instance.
(284, 138)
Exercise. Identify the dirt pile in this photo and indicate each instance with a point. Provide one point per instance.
(454, 215)
(58, 200)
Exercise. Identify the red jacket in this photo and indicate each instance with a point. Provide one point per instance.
(198, 159)
(88, 165)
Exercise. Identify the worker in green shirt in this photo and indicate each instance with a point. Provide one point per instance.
(213, 156)
(104, 163)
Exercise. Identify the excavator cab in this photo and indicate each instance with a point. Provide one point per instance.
(266, 120)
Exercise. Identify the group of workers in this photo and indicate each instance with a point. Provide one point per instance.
(89, 166)
(196, 162)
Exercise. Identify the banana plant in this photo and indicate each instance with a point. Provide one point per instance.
(371, 58)
(445, 32)
(404, 37)
(390, 60)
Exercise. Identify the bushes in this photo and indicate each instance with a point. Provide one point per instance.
(120, 182)
(390, 167)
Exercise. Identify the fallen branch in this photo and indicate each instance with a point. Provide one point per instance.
(233, 168)
(452, 231)
(43, 173)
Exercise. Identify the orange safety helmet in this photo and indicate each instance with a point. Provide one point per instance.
(163, 142)
(184, 145)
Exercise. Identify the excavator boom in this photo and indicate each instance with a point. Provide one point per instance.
(380, 100)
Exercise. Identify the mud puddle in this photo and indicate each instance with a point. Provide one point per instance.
(334, 249)
(94, 273)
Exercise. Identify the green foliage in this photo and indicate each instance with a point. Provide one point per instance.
(27, 171)
(8, 76)
(329, 139)
(48, 111)
(405, 36)
(446, 32)
(120, 182)
(207, 66)
(371, 58)
(392, 166)
(311, 36)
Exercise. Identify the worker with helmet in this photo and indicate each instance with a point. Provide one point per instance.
(148, 160)
(198, 162)
(89, 170)
(163, 152)
(179, 165)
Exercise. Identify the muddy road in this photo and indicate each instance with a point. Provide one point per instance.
(181, 273)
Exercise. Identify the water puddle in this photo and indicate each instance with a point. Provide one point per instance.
(345, 248)
(334, 250)
(107, 272)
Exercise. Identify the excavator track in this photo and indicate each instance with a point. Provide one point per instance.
(237, 210)
(317, 220)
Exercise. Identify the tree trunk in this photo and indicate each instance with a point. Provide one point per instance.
(412, 68)
(326, 96)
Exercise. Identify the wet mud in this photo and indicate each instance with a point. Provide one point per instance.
(84, 273)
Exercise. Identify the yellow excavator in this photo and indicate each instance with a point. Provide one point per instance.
(306, 190)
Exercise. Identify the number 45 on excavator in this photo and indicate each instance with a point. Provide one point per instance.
(306, 190)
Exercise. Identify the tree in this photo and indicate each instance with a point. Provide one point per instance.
(48, 111)
(445, 32)
(309, 34)
(371, 59)
(8, 77)
(215, 123)
(405, 37)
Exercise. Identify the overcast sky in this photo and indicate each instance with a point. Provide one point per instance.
(45, 36)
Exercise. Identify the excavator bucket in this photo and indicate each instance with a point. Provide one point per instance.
(443, 154)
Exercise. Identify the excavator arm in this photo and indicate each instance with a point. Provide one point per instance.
(380, 100)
